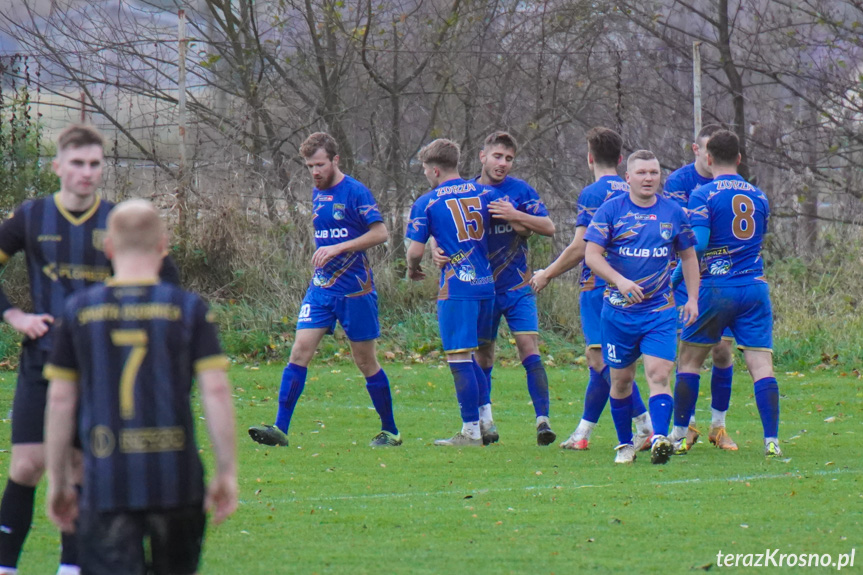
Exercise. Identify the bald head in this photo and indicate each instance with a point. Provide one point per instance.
(134, 226)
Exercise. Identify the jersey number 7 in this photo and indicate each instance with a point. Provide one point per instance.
(467, 217)
(137, 340)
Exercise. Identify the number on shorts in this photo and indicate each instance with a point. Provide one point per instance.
(305, 310)
(137, 340)
(743, 224)
(466, 215)
(612, 350)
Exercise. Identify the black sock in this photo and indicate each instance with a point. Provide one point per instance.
(16, 515)
(69, 549)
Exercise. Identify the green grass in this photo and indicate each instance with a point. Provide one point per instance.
(330, 504)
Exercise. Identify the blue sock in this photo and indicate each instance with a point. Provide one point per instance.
(661, 407)
(466, 389)
(537, 384)
(685, 396)
(293, 383)
(596, 394)
(621, 413)
(637, 403)
(487, 372)
(720, 387)
(378, 387)
(767, 400)
(484, 389)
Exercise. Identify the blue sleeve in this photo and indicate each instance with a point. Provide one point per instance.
(367, 207)
(588, 203)
(418, 226)
(702, 236)
(531, 203)
(699, 214)
(600, 229)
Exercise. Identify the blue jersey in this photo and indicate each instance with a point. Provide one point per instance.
(736, 213)
(640, 243)
(456, 214)
(589, 200)
(341, 213)
(682, 182)
(507, 251)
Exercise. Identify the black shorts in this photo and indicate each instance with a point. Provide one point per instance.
(112, 543)
(31, 392)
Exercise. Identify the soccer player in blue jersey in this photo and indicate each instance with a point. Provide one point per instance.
(729, 217)
(603, 155)
(121, 371)
(456, 214)
(347, 222)
(640, 234)
(679, 186)
(62, 238)
(515, 216)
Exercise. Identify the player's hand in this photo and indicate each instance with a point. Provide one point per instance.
(503, 209)
(63, 506)
(539, 280)
(221, 498)
(690, 312)
(32, 325)
(439, 258)
(630, 291)
(416, 275)
(324, 254)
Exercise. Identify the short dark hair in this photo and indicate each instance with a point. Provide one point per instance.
(708, 130)
(604, 144)
(78, 136)
(499, 138)
(317, 141)
(646, 155)
(724, 147)
(442, 153)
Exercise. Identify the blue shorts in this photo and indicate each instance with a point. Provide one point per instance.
(680, 297)
(358, 315)
(628, 335)
(590, 307)
(464, 323)
(744, 310)
(519, 309)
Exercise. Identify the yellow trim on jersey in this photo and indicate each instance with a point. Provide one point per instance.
(4, 257)
(462, 350)
(114, 282)
(84, 217)
(56, 372)
(219, 362)
(746, 348)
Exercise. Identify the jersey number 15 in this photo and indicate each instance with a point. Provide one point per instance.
(467, 216)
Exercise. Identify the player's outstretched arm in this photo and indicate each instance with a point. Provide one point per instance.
(219, 411)
(60, 417)
(570, 257)
(595, 259)
(692, 277)
(376, 235)
(414, 256)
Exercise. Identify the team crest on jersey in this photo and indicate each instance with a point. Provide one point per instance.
(720, 267)
(320, 278)
(665, 231)
(99, 239)
(616, 298)
(466, 272)
(338, 211)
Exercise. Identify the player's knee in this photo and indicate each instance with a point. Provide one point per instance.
(485, 355)
(368, 365)
(26, 469)
(527, 346)
(595, 361)
(723, 355)
(658, 374)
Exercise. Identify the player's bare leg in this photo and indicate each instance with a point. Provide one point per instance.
(293, 382)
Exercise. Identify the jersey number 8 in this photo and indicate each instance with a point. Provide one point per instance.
(467, 218)
(743, 224)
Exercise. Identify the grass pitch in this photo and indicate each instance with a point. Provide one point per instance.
(330, 504)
